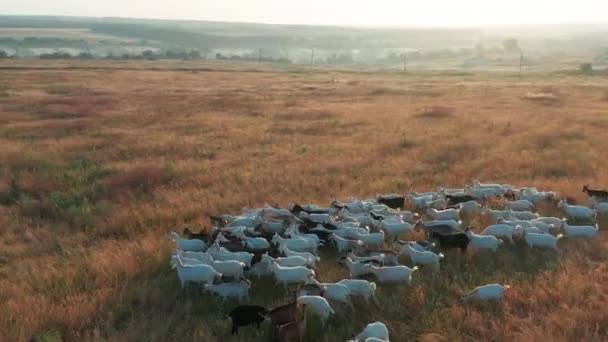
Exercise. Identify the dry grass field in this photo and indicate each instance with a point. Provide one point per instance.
(97, 166)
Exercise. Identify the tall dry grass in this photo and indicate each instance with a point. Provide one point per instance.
(99, 165)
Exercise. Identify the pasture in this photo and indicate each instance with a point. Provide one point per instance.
(97, 166)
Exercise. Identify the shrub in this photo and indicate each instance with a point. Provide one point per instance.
(435, 112)
(141, 179)
(585, 68)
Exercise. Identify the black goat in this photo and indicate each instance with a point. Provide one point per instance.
(449, 241)
(452, 200)
(202, 235)
(393, 201)
(244, 315)
(595, 193)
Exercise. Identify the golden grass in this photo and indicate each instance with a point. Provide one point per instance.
(98, 165)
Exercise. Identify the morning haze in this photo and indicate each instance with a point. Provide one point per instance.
(349, 170)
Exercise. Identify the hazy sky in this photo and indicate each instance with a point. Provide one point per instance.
(334, 12)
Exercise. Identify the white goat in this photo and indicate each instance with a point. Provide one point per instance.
(260, 269)
(536, 196)
(497, 188)
(334, 291)
(297, 244)
(222, 254)
(520, 205)
(393, 226)
(482, 241)
(577, 212)
(447, 214)
(376, 330)
(196, 273)
(524, 215)
(356, 269)
(310, 258)
(238, 290)
(318, 305)
(503, 230)
(394, 274)
(424, 257)
(256, 243)
(365, 259)
(192, 245)
(291, 275)
(360, 287)
(292, 261)
(542, 240)
(580, 231)
(375, 240)
(469, 209)
(344, 245)
(486, 292)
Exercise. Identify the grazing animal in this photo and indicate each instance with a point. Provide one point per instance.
(291, 261)
(392, 201)
(293, 331)
(577, 212)
(449, 241)
(283, 314)
(344, 245)
(503, 230)
(393, 226)
(291, 275)
(201, 273)
(541, 240)
(376, 330)
(580, 231)
(447, 214)
(469, 209)
(244, 315)
(520, 205)
(222, 254)
(238, 290)
(310, 289)
(360, 287)
(595, 193)
(297, 244)
(482, 241)
(394, 274)
(486, 292)
(319, 305)
(356, 269)
(455, 199)
(202, 235)
(194, 245)
(311, 258)
(334, 291)
(424, 257)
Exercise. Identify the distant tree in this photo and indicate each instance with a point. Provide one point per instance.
(85, 55)
(55, 55)
(125, 56)
(149, 54)
(194, 54)
(479, 50)
(4, 55)
(585, 68)
(511, 45)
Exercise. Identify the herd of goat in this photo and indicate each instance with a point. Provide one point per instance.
(284, 243)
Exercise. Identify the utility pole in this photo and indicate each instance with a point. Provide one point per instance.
(259, 57)
(521, 62)
(312, 58)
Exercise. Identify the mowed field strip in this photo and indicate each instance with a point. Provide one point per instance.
(97, 166)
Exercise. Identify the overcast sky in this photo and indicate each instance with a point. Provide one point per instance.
(332, 12)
